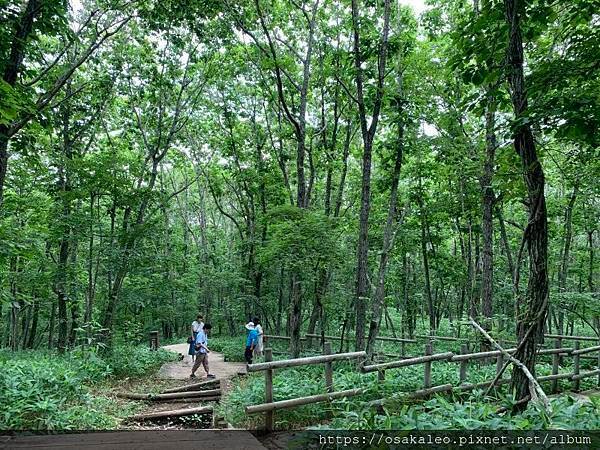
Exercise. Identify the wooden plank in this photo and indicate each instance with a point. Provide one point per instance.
(583, 375)
(283, 404)
(283, 338)
(469, 387)
(196, 400)
(170, 396)
(554, 377)
(572, 338)
(432, 390)
(173, 413)
(191, 387)
(441, 338)
(583, 351)
(304, 361)
(564, 351)
(139, 440)
(479, 355)
(407, 362)
(378, 338)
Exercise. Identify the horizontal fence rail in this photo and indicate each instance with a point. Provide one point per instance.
(558, 353)
(309, 360)
(407, 362)
(268, 367)
(291, 403)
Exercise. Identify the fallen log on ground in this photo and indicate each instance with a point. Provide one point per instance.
(171, 396)
(215, 398)
(192, 387)
(172, 413)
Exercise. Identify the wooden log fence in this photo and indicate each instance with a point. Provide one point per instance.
(463, 358)
(269, 407)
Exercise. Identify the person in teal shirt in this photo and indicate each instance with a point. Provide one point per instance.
(251, 340)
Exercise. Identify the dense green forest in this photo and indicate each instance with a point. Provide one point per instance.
(340, 167)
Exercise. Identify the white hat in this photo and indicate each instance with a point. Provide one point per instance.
(250, 326)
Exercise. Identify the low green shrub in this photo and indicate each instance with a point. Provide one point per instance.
(137, 361)
(42, 390)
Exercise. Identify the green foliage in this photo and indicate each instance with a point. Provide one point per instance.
(137, 361)
(44, 391)
(441, 413)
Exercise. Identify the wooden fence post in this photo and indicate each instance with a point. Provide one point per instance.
(555, 364)
(402, 348)
(328, 367)
(269, 390)
(463, 364)
(576, 367)
(599, 365)
(499, 363)
(427, 367)
(558, 344)
(154, 340)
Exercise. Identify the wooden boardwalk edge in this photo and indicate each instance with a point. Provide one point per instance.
(143, 440)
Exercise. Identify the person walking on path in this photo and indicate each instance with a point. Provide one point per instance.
(251, 341)
(197, 325)
(202, 351)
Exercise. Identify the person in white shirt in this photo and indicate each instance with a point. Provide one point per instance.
(202, 351)
(197, 326)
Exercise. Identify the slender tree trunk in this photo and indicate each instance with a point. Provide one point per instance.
(90, 292)
(368, 135)
(340, 191)
(425, 255)
(64, 186)
(590, 239)
(51, 325)
(505, 241)
(34, 324)
(530, 322)
(564, 265)
(487, 223)
(378, 304)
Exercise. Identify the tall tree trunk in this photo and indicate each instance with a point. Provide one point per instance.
(590, 236)
(487, 223)
(388, 241)
(91, 289)
(340, 191)
(564, 265)
(368, 135)
(425, 255)
(530, 322)
(34, 324)
(505, 241)
(64, 187)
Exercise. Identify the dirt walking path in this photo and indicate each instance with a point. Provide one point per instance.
(180, 370)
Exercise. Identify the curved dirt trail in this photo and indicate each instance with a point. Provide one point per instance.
(180, 370)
